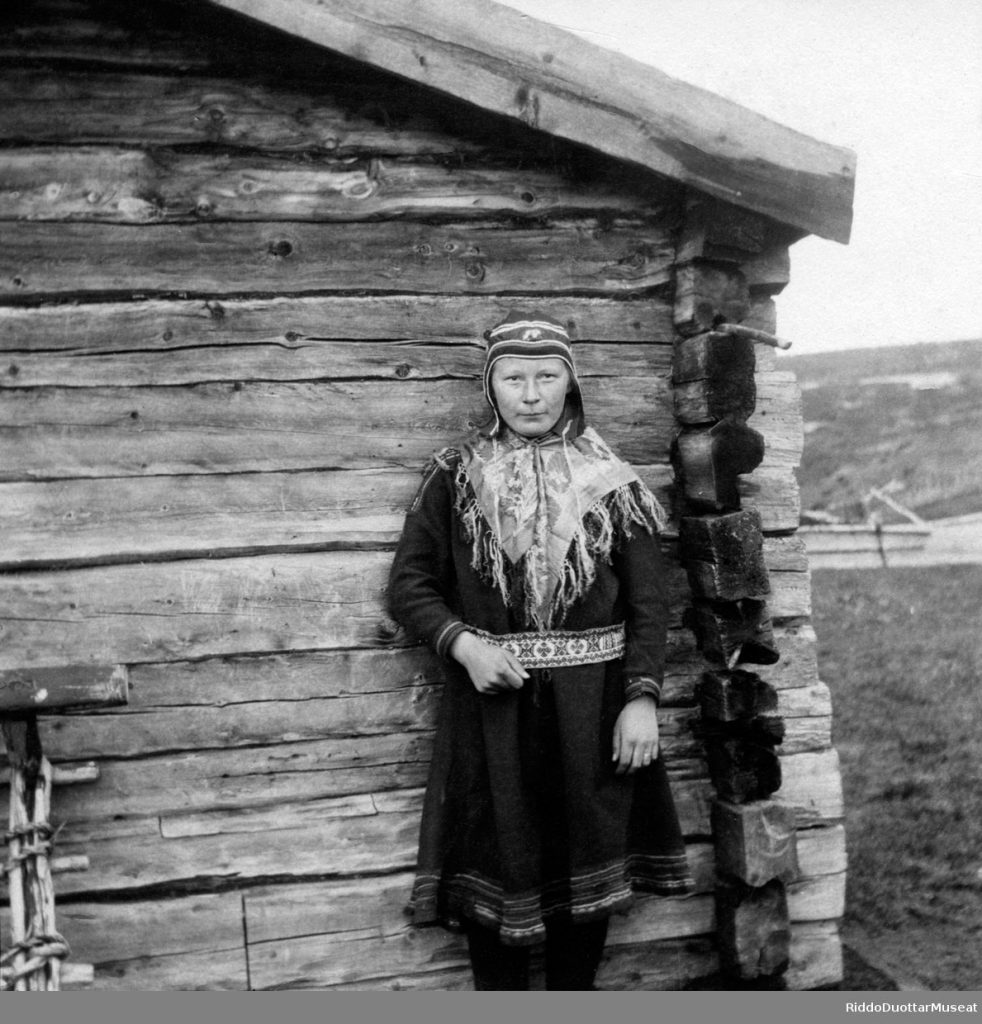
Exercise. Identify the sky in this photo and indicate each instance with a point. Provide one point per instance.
(897, 81)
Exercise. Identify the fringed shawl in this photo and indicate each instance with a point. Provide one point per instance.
(541, 512)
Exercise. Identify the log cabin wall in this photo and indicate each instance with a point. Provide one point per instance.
(242, 288)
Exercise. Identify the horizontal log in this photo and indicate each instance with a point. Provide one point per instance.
(302, 360)
(193, 609)
(78, 862)
(91, 522)
(173, 611)
(812, 784)
(353, 928)
(816, 956)
(74, 774)
(264, 723)
(798, 665)
(774, 493)
(201, 778)
(195, 942)
(57, 689)
(822, 851)
(327, 961)
(337, 835)
(134, 186)
(248, 777)
(810, 902)
(156, 325)
(281, 913)
(55, 433)
(778, 417)
(42, 260)
(116, 108)
(70, 33)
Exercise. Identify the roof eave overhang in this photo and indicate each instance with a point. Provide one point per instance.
(552, 80)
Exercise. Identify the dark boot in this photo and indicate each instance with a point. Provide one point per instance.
(573, 953)
(496, 967)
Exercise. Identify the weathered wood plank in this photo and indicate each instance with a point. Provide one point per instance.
(89, 522)
(779, 418)
(68, 32)
(139, 613)
(325, 960)
(811, 783)
(798, 667)
(193, 609)
(572, 88)
(350, 831)
(41, 259)
(52, 433)
(816, 956)
(131, 186)
(71, 686)
(808, 901)
(822, 851)
(189, 942)
(299, 360)
(344, 912)
(249, 777)
(180, 771)
(335, 836)
(116, 108)
(774, 492)
(154, 325)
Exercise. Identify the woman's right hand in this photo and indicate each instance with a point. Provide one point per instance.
(492, 669)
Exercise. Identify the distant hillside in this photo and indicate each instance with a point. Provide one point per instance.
(908, 417)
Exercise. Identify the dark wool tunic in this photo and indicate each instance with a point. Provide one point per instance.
(524, 818)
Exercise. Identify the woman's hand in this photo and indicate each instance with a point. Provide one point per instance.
(636, 735)
(492, 669)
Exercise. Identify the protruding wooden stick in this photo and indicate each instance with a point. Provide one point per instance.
(70, 862)
(739, 331)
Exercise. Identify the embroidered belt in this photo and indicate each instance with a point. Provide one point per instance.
(560, 648)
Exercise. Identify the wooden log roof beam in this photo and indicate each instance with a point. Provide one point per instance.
(512, 64)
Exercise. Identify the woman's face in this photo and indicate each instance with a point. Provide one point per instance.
(530, 393)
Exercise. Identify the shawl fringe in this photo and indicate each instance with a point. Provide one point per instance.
(604, 527)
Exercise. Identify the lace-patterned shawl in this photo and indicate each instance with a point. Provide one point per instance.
(541, 512)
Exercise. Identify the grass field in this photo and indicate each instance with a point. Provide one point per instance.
(901, 650)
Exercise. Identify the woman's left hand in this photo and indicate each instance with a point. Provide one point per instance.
(636, 735)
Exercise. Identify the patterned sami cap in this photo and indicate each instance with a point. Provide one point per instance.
(531, 335)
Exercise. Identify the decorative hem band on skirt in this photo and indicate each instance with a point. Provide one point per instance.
(560, 648)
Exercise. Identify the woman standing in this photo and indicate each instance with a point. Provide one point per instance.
(530, 562)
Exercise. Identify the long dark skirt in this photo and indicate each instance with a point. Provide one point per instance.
(525, 820)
